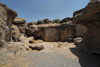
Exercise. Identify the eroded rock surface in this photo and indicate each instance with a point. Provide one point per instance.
(20, 23)
(6, 17)
(52, 32)
(67, 31)
(80, 30)
(10, 50)
(15, 33)
(90, 18)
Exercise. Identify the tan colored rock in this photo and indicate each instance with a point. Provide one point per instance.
(52, 32)
(15, 33)
(40, 47)
(36, 46)
(30, 31)
(25, 41)
(40, 41)
(19, 20)
(20, 23)
(10, 51)
(6, 17)
(77, 40)
(49, 32)
(90, 18)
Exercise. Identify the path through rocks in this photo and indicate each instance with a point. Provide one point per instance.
(67, 56)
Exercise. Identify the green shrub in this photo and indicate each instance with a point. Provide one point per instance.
(56, 21)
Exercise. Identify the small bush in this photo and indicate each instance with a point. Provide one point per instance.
(56, 21)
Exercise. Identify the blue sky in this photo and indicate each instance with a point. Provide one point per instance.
(34, 10)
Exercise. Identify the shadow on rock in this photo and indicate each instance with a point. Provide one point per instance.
(86, 59)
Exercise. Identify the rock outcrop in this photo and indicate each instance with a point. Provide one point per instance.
(20, 23)
(6, 17)
(9, 50)
(66, 20)
(52, 32)
(90, 18)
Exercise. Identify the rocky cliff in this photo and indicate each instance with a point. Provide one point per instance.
(7, 15)
(90, 18)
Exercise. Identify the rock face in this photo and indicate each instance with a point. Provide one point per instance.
(80, 30)
(47, 32)
(15, 33)
(52, 32)
(90, 18)
(67, 31)
(6, 17)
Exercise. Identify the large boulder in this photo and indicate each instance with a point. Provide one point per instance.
(6, 17)
(25, 41)
(20, 23)
(48, 32)
(66, 20)
(90, 18)
(47, 21)
(31, 29)
(19, 20)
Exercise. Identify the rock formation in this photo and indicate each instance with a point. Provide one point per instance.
(15, 33)
(90, 18)
(66, 20)
(67, 31)
(52, 32)
(6, 17)
(20, 23)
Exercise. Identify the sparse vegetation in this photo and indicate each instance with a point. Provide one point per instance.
(56, 21)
